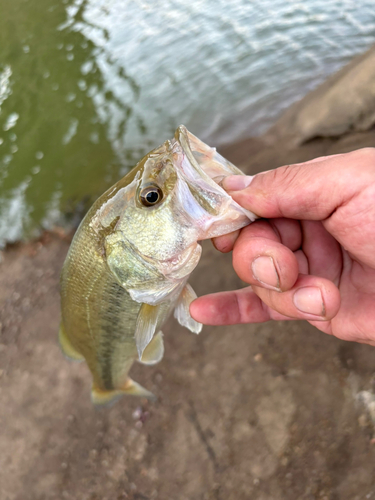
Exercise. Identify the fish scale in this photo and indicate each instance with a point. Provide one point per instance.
(130, 260)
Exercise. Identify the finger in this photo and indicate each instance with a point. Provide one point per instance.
(312, 190)
(303, 264)
(260, 259)
(226, 242)
(288, 231)
(231, 308)
(323, 253)
(245, 306)
(312, 298)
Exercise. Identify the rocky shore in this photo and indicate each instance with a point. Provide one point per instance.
(337, 117)
(275, 411)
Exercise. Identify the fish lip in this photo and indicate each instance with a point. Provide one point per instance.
(205, 169)
(187, 251)
(187, 259)
(174, 264)
(203, 157)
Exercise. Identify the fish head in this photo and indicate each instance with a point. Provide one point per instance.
(164, 207)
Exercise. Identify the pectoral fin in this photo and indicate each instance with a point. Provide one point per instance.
(154, 352)
(100, 397)
(182, 313)
(66, 346)
(145, 328)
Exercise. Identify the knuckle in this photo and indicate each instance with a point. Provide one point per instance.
(287, 175)
(367, 156)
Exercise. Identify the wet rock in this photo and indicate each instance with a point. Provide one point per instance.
(344, 103)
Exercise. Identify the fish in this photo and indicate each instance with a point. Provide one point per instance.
(129, 262)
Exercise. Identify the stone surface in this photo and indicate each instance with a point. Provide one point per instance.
(344, 103)
(262, 412)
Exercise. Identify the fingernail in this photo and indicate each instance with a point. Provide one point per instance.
(236, 182)
(309, 300)
(264, 271)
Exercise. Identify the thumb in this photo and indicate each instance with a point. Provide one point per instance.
(311, 190)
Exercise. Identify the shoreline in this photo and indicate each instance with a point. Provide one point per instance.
(337, 117)
(266, 411)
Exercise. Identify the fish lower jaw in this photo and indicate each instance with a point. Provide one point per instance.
(181, 265)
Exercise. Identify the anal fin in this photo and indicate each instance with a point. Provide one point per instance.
(154, 352)
(145, 327)
(101, 397)
(66, 346)
(182, 313)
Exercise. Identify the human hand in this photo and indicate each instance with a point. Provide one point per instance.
(314, 256)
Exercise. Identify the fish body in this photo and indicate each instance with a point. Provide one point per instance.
(129, 262)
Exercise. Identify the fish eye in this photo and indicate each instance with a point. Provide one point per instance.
(151, 195)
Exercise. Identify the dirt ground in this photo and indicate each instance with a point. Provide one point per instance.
(276, 411)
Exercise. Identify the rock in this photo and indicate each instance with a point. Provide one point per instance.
(344, 103)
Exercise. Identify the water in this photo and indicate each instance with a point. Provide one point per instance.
(87, 87)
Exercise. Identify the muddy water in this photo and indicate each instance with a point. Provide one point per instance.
(86, 87)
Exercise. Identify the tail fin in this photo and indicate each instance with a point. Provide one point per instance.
(101, 397)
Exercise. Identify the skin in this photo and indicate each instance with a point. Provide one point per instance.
(318, 229)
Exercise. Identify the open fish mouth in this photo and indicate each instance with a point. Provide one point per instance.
(203, 170)
(204, 158)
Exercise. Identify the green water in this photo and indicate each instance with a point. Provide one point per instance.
(54, 150)
(88, 86)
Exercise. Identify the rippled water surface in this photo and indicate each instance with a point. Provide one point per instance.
(87, 87)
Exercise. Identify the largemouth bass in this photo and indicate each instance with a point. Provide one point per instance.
(129, 262)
